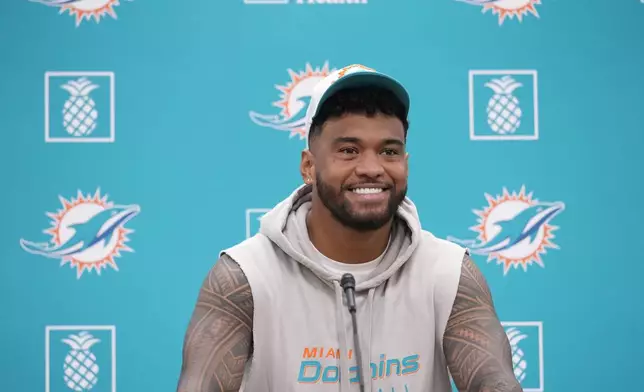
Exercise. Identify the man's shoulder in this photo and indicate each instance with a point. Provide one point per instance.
(431, 242)
(253, 245)
(258, 256)
(437, 259)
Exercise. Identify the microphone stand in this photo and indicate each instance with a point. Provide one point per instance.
(348, 284)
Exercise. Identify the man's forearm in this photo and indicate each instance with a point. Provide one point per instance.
(500, 384)
(479, 356)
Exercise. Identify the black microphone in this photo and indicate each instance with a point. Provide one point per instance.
(348, 283)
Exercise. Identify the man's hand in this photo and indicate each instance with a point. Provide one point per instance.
(218, 341)
(475, 344)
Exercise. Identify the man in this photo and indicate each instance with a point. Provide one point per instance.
(272, 315)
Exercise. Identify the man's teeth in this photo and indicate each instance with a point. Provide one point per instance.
(367, 190)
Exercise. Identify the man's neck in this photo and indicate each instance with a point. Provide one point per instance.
(343, 244)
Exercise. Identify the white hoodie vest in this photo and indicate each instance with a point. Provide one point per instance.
(302, 330)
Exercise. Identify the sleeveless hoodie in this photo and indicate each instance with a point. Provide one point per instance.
(302, 329)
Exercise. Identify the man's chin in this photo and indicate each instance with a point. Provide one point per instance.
(369, 214)
(367, 222)
(363, 225)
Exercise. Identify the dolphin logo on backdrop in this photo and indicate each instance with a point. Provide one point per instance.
(506, 8)
(514, 229)
(295, 97)
(88, 233)
(84, 9)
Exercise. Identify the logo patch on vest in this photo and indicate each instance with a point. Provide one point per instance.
(321, 365)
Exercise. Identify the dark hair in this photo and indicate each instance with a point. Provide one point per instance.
(368, 101)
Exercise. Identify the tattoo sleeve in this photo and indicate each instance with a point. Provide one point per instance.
(218, 341)
(475, 344)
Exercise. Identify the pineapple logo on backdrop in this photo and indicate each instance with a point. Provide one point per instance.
(507, 8)
(526, 343)
(253, 220)
(84, 9)
(79, 107)
(514, 229)
(80, 358)
(295, 97)
(88, 233)
(503, 105)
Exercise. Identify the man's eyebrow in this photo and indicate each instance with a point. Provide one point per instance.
(394, 141)
(350, 139)
(346, 139)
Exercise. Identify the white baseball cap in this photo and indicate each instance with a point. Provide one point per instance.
(354, 75)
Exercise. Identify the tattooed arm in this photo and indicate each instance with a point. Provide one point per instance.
(475, 344)
(218, 341)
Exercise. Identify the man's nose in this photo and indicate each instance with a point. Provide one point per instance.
(369, 165)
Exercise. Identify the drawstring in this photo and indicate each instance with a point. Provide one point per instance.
(367, 374)
(341, 310)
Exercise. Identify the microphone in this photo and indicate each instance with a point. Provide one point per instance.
(348, 284)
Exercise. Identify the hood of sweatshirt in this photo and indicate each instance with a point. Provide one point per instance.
(285, 225)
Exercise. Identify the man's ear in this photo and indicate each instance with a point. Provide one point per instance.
(307, 167)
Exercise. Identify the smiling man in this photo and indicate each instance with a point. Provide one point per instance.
(272, 315)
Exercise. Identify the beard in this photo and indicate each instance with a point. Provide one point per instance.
(343, 212)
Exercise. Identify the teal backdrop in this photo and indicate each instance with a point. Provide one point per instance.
(161, 121)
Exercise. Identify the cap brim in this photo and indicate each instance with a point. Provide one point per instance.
(367, 78)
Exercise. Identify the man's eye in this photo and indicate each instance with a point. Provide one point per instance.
(348, 150)
(390, 151)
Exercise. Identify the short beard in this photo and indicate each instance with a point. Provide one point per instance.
(341, 210)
